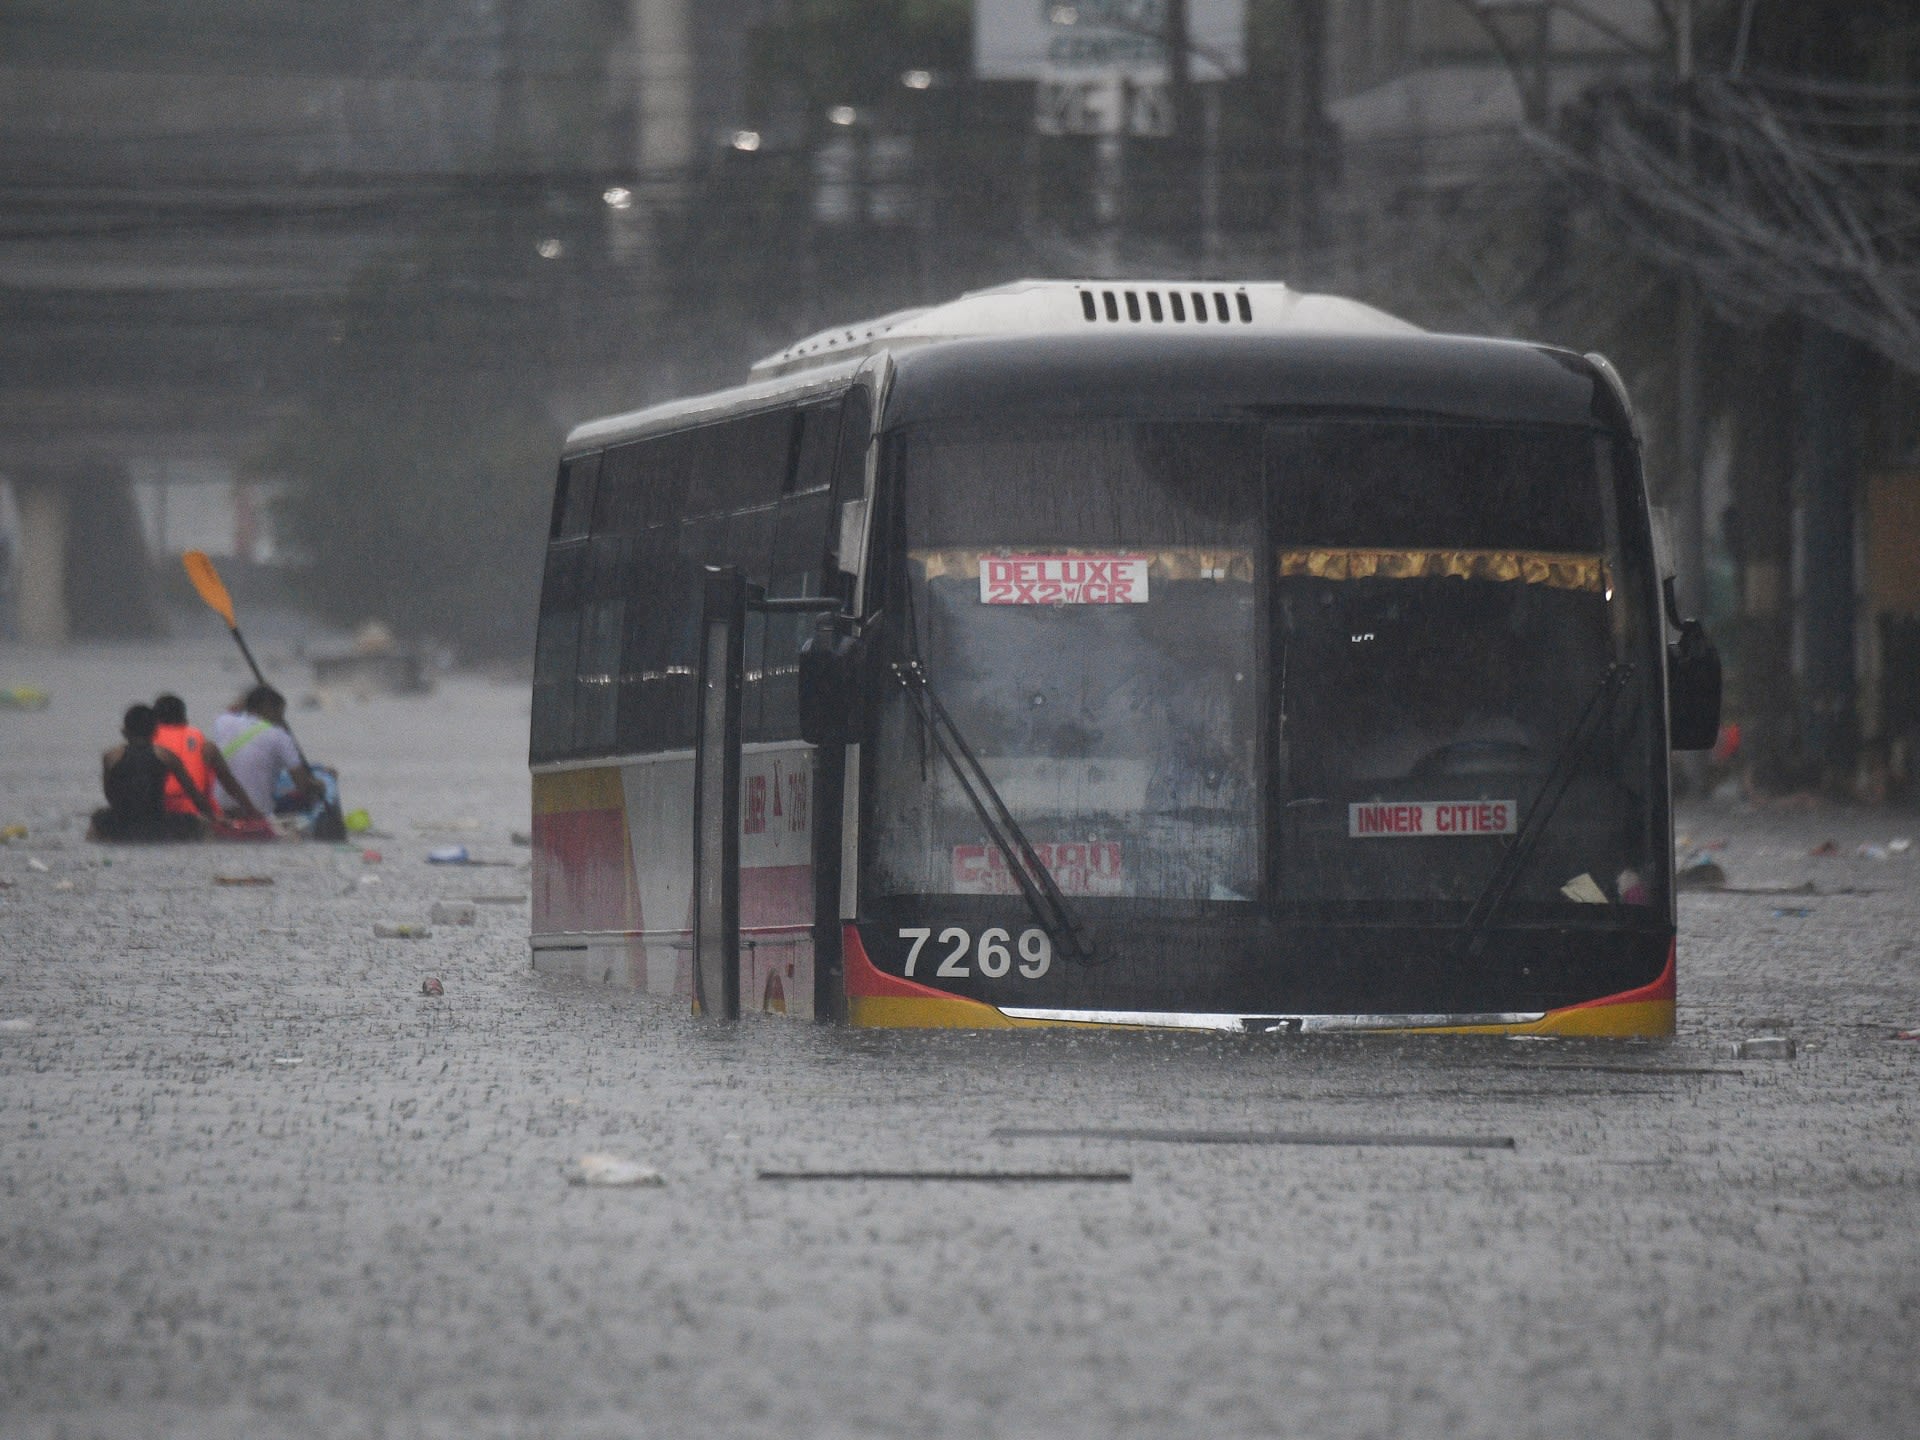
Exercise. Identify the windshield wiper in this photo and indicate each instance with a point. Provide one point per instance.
(1473, 936)
(1036, 882)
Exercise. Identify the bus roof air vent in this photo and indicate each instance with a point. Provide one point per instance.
(1042, 307)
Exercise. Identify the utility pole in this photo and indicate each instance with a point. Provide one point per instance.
(1762, 542)
(1210, 180)
(1178, 40)
(1686, 353)
(1109, 185)
(1304, 129)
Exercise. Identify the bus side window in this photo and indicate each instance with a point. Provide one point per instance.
(816, 433)
(656, 702)
(666, 469)
(573, 497)
(670, 505)
(556, 651)
(800, 543)
(620, 498)
(597, 669)
(748, 545)
(739, 464)
(850, 468)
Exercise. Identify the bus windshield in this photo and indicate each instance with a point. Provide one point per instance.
(1448, 601)
(1302, 664)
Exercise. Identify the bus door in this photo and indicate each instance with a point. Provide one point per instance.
(766, 803)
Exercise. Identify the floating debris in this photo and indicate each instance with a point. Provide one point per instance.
(432, 986)
(243, 879)
(600, 1168)
(452, 912)
(1765, 1047)
(1261, 1137)
(1583, 889)
(1697, 872)
(449, 855)
(402, 932)
(1610, 1068)
(1000, 1177)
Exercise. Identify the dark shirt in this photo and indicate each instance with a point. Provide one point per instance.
(136, 784)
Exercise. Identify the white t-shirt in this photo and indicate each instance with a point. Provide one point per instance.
(256, 764)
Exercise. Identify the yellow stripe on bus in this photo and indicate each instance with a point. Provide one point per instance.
(1644, 1018)
(1180, 562)
(1557, 570)
(561, 791)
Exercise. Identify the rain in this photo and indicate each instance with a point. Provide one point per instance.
(959, 717)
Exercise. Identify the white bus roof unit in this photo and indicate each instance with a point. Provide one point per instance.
(1051, 307)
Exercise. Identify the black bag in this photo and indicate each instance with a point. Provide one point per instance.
(330, 824)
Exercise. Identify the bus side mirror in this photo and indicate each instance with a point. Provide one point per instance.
(829, 686)
(1693, 689)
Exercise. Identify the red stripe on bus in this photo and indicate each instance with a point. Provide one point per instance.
(775, 895)
(582, 878)
(864, 980)
(1663, 987)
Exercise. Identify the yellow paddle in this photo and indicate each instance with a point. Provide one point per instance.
(208, 584)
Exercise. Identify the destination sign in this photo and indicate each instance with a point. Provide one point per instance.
(1063, 579)
(1093, 867)
(1400, 820)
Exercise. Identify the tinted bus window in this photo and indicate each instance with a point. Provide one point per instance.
(850, 480)
(598, 682)
(643, 629)
(1083, 599)
(573, 497)
(748, 544)
(856, 429)
(555, 651)
(1448, 604)
(797, 567)
(657, 649)
(1436, 485)
(625, 487)
(816, 434)
(739, 463)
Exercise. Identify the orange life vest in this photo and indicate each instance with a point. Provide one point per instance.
(191, 746)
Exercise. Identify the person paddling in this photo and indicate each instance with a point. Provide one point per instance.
(257, 750)
(202, 760)
(134, 776)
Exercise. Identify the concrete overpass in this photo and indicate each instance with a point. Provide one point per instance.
(189, 193)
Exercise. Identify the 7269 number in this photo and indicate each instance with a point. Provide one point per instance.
(991, 954)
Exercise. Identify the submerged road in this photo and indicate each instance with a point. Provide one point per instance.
(253, 1183)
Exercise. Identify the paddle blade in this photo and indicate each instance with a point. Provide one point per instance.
(206, 580)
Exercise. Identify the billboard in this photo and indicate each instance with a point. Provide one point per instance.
(1071, 40)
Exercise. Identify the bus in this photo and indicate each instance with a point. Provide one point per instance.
(1120, 654)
